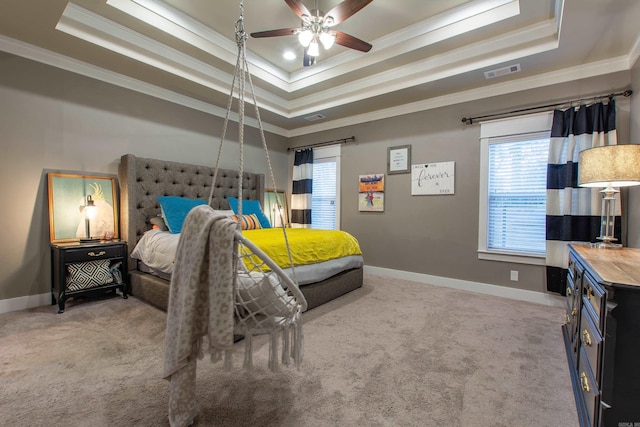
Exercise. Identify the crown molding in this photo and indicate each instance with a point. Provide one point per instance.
(517, 44)
(91, 27)
(47, 57)
(607, 66)
(191, 31)
(446, 25)
(461, 19)
(535, 39)
(96, 29)
(582, 71)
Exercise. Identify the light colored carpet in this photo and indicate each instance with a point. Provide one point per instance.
(393, 353)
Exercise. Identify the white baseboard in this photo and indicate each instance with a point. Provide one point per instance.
(465, 285)
(22, 303)
(31, 301)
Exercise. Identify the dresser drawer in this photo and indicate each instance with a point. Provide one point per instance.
(94, 253)
(594, 297)
(589, 390)
(591, 343)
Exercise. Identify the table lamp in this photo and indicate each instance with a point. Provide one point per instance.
(607, 167)
(89, 210)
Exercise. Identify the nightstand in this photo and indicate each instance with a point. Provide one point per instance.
(87, 269)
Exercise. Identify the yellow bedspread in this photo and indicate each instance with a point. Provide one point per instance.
(307, 246)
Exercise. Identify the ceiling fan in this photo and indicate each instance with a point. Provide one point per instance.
(316, 26)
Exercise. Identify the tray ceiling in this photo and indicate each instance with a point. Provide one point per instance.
(185, 51)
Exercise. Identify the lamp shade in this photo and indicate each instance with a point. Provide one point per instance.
(305, 37)
(313, 49)
(610, 165)
(327, 39)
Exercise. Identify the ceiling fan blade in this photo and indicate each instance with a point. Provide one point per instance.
(276, 33)
(343, 11)
(299, 8)
(351, 42)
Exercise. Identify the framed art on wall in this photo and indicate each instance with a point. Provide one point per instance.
(433, 179)
(71, 196)
(275, 207)
(371, 193)
(399, 159)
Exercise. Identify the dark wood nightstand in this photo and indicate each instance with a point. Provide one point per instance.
(87, 269)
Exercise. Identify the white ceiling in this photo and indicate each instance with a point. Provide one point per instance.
(425, 53)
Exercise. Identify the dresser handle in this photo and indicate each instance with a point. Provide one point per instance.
(584, 382)
(568, 291)
(96, 254)
(586, 338)
(567, 319)
(589, 293)
(574, 312)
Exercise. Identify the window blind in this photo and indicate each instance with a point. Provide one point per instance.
(517, 193)
(323, 198)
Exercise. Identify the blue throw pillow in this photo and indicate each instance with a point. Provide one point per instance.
(250, 207)
(175, 210)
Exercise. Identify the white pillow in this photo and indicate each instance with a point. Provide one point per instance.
(262, 293)
(157, 249)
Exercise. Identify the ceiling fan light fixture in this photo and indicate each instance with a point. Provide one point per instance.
(314, 49)
(317, 27)
(327, 39)
(305, 36)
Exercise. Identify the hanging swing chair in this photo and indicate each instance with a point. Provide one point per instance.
(266, 299)
(216, 268)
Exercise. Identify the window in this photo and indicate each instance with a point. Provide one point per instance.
(513, 180)
(325, 201)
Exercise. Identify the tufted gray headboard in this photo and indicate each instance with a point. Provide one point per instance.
(143, 180)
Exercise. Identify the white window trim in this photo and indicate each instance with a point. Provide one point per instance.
(531, 123)
(332, 151)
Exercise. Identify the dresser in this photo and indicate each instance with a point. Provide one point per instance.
(602, 334)
(87, 269)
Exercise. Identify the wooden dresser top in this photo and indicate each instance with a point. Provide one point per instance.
(615, 266)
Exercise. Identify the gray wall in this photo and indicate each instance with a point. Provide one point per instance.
(438, 235)
(53, 120)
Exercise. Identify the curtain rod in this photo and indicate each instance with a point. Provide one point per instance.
(320, 144)
(469, 120)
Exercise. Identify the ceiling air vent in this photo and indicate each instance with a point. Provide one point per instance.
(314, 117)
(502, 71)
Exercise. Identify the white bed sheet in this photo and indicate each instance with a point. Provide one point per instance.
(157, 249)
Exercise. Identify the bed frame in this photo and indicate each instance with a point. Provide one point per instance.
(143, 180)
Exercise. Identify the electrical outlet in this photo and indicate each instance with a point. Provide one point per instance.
(514, 275)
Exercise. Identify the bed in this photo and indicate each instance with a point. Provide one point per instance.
(143, 180)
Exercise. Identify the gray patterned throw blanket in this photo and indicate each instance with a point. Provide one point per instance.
(200, 303)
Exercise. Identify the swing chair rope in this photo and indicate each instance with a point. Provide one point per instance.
(253, 265)
(264, 298)
(273, 180)
(224, 132)
(239, 78)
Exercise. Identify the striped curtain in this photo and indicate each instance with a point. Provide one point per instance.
(302, 186)
(573, 212)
